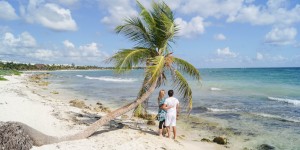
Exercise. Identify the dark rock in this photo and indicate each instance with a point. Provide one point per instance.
(251, 134)
(149, 116)
(151, 122)
(98, 103)
(220, 140)
(114, 124)
(12, 136)
(205, 140)
(265, 147)
(78, 103)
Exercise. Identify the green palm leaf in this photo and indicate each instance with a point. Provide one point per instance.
(125, 59)
(182, 86)
(150, 22)
(186, 67)
(155, 68)
(135, 30)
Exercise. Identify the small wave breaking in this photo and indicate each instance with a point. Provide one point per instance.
(203, 109)
(79, 75)
(221, 110)
(111, 79)
(277, 117)
(215, 89)
(285, 100)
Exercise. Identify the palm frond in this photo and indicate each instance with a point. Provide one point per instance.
(186, 67)
(155, 68)
(136, 31)
(146, 15)
(125, 59)
(182, 86)
(165, 26)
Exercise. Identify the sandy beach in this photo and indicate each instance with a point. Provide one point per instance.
(21, 101)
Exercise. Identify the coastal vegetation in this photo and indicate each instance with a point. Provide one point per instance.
(8, 73)
(153, 33)
(25, 67)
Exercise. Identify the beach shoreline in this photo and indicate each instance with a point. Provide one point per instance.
(21, 101)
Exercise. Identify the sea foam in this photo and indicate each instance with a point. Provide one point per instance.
(79, 75)
(285, 100)
(111, 79)
(221, 110)
(215, 89)
(277, 117)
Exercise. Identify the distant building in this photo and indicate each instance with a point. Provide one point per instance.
(40, 66)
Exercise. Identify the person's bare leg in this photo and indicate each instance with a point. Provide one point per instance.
(168, 131)
(174, 132)
(160, 132)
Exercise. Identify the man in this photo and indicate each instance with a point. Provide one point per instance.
(171, 104)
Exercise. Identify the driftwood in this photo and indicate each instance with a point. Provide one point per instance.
(13, 137)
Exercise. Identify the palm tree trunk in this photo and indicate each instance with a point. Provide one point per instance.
(43, 139)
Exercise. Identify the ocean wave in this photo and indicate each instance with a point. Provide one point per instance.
(277, 117)
(203, 109)
(221, 110)
(79, 75)
(215, 89)
(200, 109)
(285, 100)
(111, 79)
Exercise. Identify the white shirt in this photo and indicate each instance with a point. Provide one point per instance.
(171, 101)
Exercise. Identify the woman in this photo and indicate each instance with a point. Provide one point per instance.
(161, 112)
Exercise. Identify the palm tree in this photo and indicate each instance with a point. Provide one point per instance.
(153, 32)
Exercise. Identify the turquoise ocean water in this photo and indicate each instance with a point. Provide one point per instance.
(262, 105)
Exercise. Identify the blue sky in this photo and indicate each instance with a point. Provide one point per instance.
(214, 33)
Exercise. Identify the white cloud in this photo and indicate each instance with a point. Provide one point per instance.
(249, 1)
(215, 8)
(274, 13)
(24, 47)
(281, 36)
(226, 53)
(49, 15)
(269, 58)
(44, 54)
(23, 40)
(220, 37)
(68, 2)
(192, 28)
(16, 45)
(88, 51)
(117, 10)
(68, 44)
(7, 12)
(279, 58)
(259, 56)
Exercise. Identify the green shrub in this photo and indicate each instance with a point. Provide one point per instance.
(2, 79)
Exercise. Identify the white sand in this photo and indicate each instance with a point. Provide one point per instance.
(50, 116)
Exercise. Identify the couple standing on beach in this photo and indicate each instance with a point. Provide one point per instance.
(168, 112)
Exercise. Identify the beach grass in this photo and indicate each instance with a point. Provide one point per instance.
(8, 73)
(2, 79)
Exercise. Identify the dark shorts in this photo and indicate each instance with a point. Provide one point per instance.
(161, 124)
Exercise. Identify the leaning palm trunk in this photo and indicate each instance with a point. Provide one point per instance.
(40, 139)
